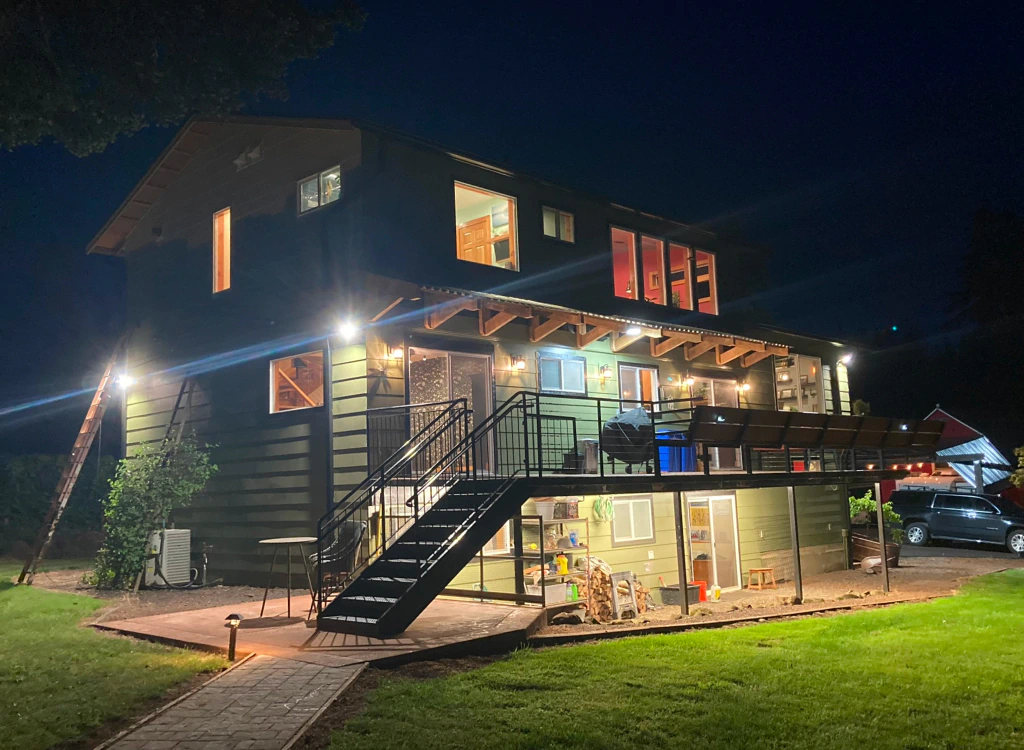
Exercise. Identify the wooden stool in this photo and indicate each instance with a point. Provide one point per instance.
(763, 576)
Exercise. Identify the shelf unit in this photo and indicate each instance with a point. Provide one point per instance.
(551, 553)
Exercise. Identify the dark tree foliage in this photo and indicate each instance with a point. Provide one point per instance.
(85, 72)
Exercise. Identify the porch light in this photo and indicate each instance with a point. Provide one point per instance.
(689, 382)
(348, 330)
(634, 331)
(124, 380)
(396, 353)
(606, 372)
(518, 362)
(743, 387)
(846, 358)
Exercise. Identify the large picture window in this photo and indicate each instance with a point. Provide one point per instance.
(652, 252)
(633, 519)
(297, 382)
(707, 286)
(485, 225)
(669, 273)
(562, 374)
(679, 257)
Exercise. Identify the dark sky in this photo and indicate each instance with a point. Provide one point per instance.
(856, 144)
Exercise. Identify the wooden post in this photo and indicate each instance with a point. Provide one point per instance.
(517, 550)
(794, 534)
(881, 537)
(684, 604)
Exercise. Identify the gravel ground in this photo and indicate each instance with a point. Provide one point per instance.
(124, 605)
(919, 577)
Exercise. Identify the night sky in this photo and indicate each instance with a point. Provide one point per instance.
(855, 144)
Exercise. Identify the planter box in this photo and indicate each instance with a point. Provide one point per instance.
(862, 545)
(670, 595)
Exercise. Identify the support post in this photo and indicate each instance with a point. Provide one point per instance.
(881, 537)
(684, 604)
(794, 533)
(517, 550)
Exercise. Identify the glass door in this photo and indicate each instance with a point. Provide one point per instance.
(638, 386)
(719, 393)
(713, 533)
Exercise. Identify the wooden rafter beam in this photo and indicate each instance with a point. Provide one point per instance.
(621, 340)
(777, 349)
(540, 329)
(387, 309)
(706, 344)
(591, 329)
(672, 340)
(440, 309)
(751, 359)
(724, 355)
(493, 320)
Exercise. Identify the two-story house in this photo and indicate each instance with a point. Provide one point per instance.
(402, 350)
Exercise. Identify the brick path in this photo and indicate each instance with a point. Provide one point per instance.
(262, 704)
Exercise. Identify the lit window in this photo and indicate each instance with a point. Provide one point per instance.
(485, 227)
(500, 542)
(624, 263)
(652, 252)
(559, 224)
(562, 374)
(707, 289)
(679, 273)
(297, 382)
(320, 189)
(221, 250)
(632, 519)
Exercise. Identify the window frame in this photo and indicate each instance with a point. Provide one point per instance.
(561, 357)
(632, 501)
(630, 365)
(221, 256)
(495, 551)
(272, 385)
(513, 226)
(559, 212)
(318, 176)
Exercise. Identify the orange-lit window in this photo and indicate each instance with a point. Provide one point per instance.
(221, 250)
(624, 263)
(679, 274)
(297, 382)
(485, 227)
(707, 288)
(652, 252)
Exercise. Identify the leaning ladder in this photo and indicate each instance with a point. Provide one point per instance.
(68, 477)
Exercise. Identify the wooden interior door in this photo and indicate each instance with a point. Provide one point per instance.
(475, 240)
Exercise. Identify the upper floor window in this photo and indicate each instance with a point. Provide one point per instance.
(562, 374)
(559, 224)
(320, 189)
(663, 273)
(297, 382)
(222, 250)
(485, 225)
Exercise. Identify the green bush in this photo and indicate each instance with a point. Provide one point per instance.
(27, 484)
(145, 489)
(864, 510)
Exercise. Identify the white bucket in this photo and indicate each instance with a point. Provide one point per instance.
(545, 509)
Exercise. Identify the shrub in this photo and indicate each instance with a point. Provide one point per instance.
(864, 510)
(146, 488)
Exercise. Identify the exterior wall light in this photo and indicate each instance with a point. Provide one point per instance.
(634, 331)
(606, 372)
(518, 362)
(743, 387)
(124, 380)
(689, 381)
(348, 330)
(846, 358)
(233, 621)
(396, 353)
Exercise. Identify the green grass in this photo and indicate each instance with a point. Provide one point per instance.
(59, 680)
(943, 674)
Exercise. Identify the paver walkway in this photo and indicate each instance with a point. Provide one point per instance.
(263, 704)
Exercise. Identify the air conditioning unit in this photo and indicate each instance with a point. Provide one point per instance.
(172, 550)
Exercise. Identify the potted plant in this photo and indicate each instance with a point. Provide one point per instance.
(864, 529)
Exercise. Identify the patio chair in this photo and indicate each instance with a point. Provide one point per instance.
(339, 558)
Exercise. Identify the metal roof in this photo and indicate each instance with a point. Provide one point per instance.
(981, 446)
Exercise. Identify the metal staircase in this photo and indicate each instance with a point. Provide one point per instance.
(431, 506)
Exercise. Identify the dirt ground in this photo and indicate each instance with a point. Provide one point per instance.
(919, 577)
(123, 605)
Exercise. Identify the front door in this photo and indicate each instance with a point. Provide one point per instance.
(436, 375)
(713, 535)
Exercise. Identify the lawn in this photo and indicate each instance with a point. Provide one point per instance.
(59, 680)
(942, 674)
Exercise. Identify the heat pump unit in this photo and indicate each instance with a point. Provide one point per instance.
(171, 549)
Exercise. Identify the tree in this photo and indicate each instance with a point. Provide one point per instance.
(84, 72)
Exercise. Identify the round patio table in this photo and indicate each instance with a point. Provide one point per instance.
(287, 542)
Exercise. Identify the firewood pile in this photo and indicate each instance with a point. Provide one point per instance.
(601, 599)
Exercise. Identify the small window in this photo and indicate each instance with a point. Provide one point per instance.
(559, 224)
(485, 224)
(633, 519)
(679, 257)
(297, 382)
(624, 263)
(320, 189)
(707, 285)
(652, 253)
(221, 250)
(562, 374)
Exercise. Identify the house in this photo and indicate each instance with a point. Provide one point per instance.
(401, 349)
